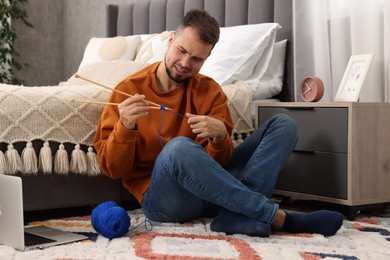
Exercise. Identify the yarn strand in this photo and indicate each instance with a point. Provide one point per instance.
(162, 108)
(160, 127)
(146, 221)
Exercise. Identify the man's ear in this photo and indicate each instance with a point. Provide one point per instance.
(171, 38)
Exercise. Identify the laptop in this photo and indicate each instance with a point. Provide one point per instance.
(13, 233)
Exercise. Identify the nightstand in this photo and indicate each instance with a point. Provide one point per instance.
(342, 155)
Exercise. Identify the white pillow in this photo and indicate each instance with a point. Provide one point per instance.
(238, 50)
(114, 48)
(153, 47)
(270, 84)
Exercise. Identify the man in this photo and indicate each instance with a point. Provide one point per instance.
(179, 163)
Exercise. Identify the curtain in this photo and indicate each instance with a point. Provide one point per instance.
(328, 32)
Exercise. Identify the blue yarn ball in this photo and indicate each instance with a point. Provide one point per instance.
(110, 220)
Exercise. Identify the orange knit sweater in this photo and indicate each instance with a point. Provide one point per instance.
(130, 154)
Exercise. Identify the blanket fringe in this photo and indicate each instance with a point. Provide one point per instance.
(93, 163)
(3, 163)
(78, 160)
(31, 162)
(239, 138)
(29, 159)
(61, 161)
(14, 162)
(46, 159)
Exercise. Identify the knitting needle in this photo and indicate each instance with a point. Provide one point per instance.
(102, 103)
(119, 91)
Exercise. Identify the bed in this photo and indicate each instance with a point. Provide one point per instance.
(47, 139)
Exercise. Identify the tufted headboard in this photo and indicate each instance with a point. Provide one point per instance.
(154, 16)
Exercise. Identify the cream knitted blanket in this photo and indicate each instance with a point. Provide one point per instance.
(47, 113)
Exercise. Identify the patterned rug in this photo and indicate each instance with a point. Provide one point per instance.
(368, 237)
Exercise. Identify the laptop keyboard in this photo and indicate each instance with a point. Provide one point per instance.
(32, 240)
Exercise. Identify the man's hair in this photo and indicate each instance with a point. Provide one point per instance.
(206, 26)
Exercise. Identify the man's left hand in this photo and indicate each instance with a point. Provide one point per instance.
(207, 127)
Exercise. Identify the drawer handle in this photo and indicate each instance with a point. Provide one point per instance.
(304, 151)
(299, 108)
(386, 165)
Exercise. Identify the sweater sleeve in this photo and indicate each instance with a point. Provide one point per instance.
(114, 143)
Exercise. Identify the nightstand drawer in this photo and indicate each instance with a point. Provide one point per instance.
(322, 129)
(315, 173)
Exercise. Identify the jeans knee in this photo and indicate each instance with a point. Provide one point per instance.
(178, 146)
(288, 123)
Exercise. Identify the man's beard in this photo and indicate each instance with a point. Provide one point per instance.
(177, 79)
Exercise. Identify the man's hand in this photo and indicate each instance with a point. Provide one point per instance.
(131, 109)
(207, 127)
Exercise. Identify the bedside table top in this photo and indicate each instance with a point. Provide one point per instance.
(322, 104)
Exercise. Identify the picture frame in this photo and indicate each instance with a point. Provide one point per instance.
(353, 78)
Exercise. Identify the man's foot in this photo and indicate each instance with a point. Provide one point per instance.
(322, 222)
(233, 223)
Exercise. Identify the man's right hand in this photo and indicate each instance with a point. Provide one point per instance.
(131, 109)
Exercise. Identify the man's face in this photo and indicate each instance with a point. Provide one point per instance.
(186, 55)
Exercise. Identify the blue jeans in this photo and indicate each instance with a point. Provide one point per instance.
(187, 183)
